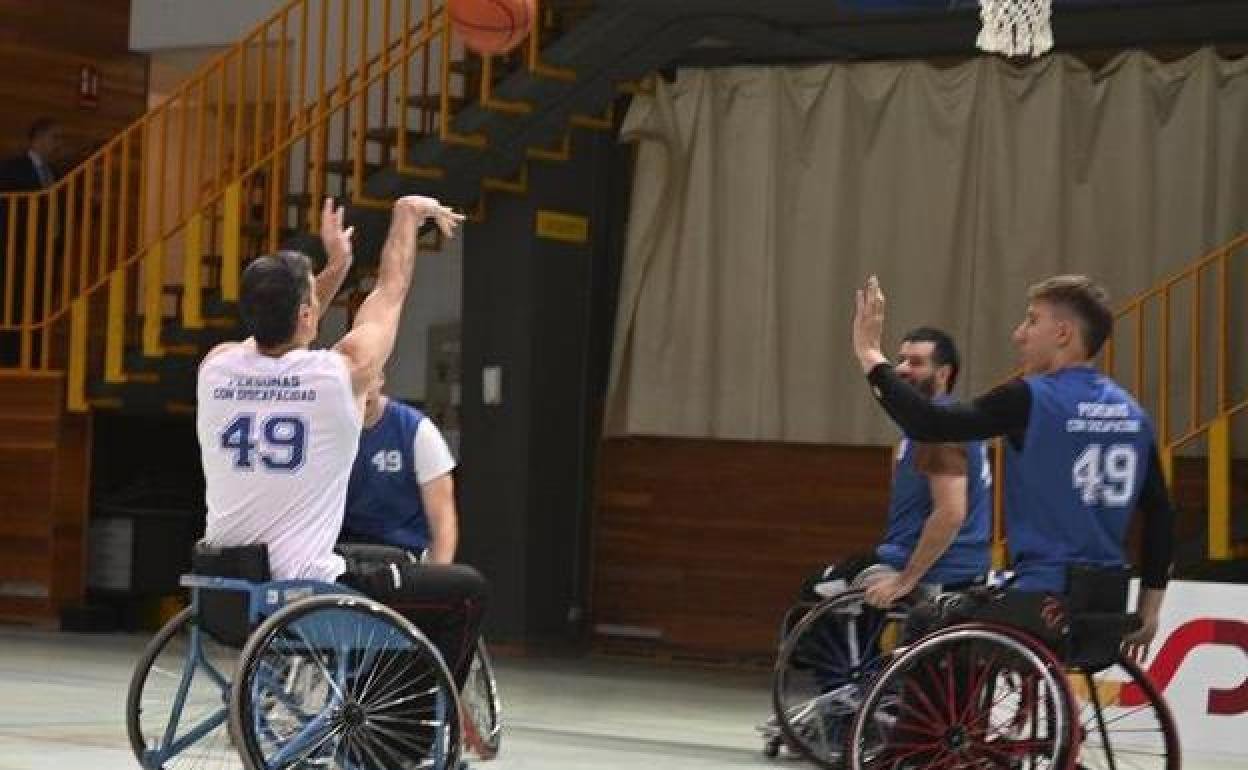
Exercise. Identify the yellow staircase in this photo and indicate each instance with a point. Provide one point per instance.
(117, 278)
(162, 218)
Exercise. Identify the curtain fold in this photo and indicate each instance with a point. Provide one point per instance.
(763, 196)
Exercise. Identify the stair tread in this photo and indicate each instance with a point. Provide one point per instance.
(256, 229)
(347, 167)
(390, 135)
(434, 102)
(180, 289)
(470, 66)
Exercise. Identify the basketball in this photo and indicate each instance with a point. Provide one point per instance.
(492, 27)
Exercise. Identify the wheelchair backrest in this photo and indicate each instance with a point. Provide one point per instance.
(1096, 604)
(225, 614)
(1097, 589)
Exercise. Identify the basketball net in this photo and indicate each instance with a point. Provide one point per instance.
(1015, 27)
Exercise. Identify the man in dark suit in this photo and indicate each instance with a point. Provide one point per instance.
(32, 170)
(28, 172)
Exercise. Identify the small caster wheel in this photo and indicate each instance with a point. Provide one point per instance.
(771, 749)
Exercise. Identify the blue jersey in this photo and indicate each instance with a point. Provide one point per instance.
(383, 495)
(1071, 490)
(911, 503)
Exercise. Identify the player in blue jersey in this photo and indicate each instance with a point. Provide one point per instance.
(1080, 452)
(401, 492)
(939, 514)
(939, 506)
(400, 510)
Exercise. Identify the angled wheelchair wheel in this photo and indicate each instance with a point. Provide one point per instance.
(1124, 720)
(822, 671)
(177, 703)
(482, 705)
(343, 683)
(970, 696)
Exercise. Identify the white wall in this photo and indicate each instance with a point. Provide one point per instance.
(435, 298)
(157, 24)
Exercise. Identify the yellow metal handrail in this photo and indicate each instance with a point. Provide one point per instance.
(1175, 388)
(232, 162)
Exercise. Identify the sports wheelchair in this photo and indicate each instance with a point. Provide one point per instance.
(831, 650)
(975, 693)
(264, 674)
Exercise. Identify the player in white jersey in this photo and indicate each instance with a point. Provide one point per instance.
(279, 425)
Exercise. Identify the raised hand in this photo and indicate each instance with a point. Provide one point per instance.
(424, 207)
(869, 323)
(337, 241)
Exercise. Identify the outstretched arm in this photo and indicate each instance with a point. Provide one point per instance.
(368, 345)
(1003, 411)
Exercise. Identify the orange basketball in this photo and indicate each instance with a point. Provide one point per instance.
(492, 27)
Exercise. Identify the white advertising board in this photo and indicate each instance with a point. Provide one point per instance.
(1200, 662)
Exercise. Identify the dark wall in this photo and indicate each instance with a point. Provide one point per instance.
(541, 309)
(43, 45)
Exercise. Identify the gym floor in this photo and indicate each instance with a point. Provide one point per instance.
(62, 706)
(62, 696)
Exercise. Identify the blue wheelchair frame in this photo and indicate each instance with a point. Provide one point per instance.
(263, 600)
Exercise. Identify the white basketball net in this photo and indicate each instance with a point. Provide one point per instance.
(1015, 27)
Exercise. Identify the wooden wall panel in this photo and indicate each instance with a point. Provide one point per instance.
(71, 502)
(1190, 493)
(707, 542)
(43, 45)
(45, 479)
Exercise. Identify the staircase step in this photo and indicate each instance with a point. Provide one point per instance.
(347, 168)
(196, 342)
(301, 201)
(215, 308)
(469, 66)
(176, 353)
(176, 291)
(433, 102)
(211, 269)
(258, 230)
(164, 368)
(389, 135)
(600, 48)
(478, 119)
(144, 398)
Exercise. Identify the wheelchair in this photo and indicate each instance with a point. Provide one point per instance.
(262, 674)
(984, 695)
(482, 705)
(830, 651)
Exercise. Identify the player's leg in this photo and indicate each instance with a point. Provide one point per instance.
(447, 602)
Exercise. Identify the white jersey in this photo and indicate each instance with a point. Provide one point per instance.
(278, 437)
